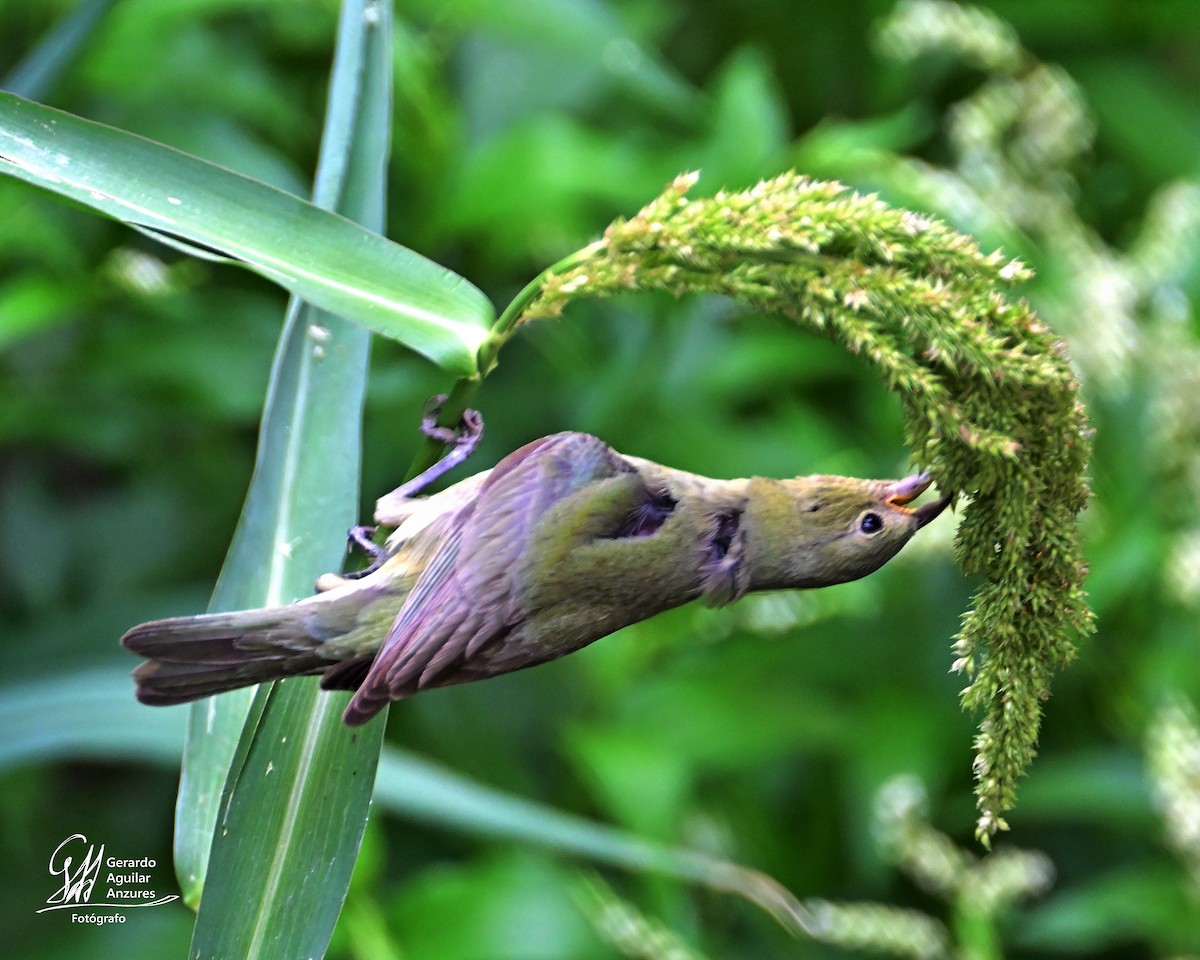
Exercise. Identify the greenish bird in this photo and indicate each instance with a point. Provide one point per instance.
(563, 542)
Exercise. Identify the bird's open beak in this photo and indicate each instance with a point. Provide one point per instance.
(905, 491)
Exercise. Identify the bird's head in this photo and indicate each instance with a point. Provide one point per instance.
(821, 530)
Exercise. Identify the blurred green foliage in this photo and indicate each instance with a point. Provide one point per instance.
(131, 382)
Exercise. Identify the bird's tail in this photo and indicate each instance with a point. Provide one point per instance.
(193, 657)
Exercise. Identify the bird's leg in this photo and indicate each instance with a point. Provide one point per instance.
(462, 441)
(362, 538)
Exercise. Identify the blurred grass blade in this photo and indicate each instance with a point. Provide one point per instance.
(295, 802)
(417, 788)
(90, 714)
(328, 260)
(84, 714)
(56, 51)
(588, 34)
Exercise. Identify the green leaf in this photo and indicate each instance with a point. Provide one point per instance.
(324, 258)
(295, 802)
(291, 820)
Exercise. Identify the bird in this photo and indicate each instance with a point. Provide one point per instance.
(563, 542)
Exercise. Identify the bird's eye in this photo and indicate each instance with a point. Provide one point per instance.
(871, 523)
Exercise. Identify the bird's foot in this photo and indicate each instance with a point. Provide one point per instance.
(467, 433)
(362, 537)
(462, 441)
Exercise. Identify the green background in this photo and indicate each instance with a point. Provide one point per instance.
(131, 382)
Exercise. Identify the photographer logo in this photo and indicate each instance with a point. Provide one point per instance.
(95, 888)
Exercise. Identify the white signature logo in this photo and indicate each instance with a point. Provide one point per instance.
(124, 881)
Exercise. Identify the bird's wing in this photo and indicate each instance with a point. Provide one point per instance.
(466, 596)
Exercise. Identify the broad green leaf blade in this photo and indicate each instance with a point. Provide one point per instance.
(301, 501)
(328, 260)
(91, 715)
(291, 820)
(298, 789)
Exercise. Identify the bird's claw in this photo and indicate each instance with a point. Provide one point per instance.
(468, 431)
(363, 538)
